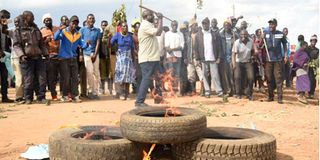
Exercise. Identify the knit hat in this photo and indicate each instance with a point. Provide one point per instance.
(45, 16)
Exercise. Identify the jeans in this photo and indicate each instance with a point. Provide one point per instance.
(4, 80)
(274, 70)
(226, 77)
(211, 67)
(244, 70)
(69, 77)
(313, 81)
(52, 74)
(148, 71)
(34, 72)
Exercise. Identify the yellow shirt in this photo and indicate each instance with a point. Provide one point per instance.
(148, 43)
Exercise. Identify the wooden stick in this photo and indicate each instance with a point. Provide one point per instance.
(154, 12)
(264, 42)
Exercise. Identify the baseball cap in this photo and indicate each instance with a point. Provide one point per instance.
(273, 20)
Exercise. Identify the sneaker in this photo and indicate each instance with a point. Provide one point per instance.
(7, 100)
(280, 101)
(270, 99)
(302, 100)
(138, 105)
(83, 96)
(76, 100)
(237, 96)
(250, 98)
(28, 102)
(42, 101)
(64, 99)
(122, 98)
(55, 98)
(220, 94)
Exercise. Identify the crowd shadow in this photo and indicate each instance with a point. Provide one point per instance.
(282, 156)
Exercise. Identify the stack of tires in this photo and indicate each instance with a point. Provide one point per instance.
(186, 131)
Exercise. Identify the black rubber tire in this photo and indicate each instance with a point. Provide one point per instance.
(62, 146)
(237, 144)
(190, 126)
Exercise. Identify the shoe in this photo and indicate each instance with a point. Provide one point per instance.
(207, 95)
(42, 101)
(220, 94)
(280, 101)
(122, 98)
(141, 105)
(7, 100)
(55, 98)
(270, 99)
(250, 98)
(237, 96)
(76, 100)
(28, 102)
(311, 96)
(64, 99)
(302, 100)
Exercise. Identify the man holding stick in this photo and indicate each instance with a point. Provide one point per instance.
(273, 41)
(149, 55)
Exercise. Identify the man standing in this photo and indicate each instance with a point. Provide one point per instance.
(174, 43)
(243, 25)
(208, 46)
(228, 37)
(184, 29)
(103, 57)
(5, 44)
(31, 50)
(91, 36)
(313, 53)
(70, 42)
(194, 63)
(242, 64)
(149, 55)
(53, 48)
(274, 40)
(286, 66)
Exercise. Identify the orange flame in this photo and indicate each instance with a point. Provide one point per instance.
(146, 156)
(102, 131)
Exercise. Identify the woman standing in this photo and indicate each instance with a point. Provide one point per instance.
(300, 65)
(125, 70)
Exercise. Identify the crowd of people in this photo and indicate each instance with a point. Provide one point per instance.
(228, 59)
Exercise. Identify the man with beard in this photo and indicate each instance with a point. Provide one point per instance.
(53, 48)
(148, 55)
(274, 40)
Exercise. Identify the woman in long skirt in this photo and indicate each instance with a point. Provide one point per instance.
(300, 65)
(125, 70)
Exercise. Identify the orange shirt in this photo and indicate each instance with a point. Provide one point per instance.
(52, 46)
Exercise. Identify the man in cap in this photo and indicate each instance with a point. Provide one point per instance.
(70, 42)
(53, 48)
(148, 55)
(274, 39)
(194, 63)
(313, 53)
(208, 46)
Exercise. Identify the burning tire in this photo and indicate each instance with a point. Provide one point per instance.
(149, 125)
(70, 144)
(228, 143)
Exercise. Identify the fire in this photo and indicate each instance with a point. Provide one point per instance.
(169, 81)
(146, 156)
(102, 131)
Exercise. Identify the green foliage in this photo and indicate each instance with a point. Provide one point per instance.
(199, 4)
(119, 15)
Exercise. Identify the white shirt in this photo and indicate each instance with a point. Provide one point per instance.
(208, 48)
(148, 43)
(174, 40)
(161, 43)
(243, 51)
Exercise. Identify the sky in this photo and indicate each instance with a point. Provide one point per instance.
(300, 17)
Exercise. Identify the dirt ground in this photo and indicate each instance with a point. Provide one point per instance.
(295, 125)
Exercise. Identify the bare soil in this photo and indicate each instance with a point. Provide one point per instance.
(295, 125)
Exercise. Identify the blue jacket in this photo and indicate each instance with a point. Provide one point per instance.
(275, 40)
(69, 43)
(90, 34)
